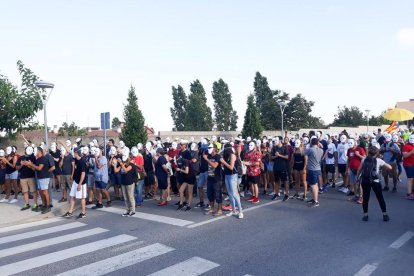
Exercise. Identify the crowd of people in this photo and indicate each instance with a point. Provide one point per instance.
(223, 170)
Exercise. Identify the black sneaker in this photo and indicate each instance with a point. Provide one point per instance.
(275, 197)
(68, 215)
(98, 206)
(207, 207)
(365, 218)
(394, 190)
(296, 196)
(385, 218)
(108, 203)
(264, 192)
(46, 210)
(333, 185)
(286, 198)
(25, 207)
(200, 205)
(386, 189)
(81, 216)
(88, 202)
(314, 204)
(131, 214)
(125, 214)
(350, 193)
(310, 201)
(187, 208)
(176, 204)
(180, 206)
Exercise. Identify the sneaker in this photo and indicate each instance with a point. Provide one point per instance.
(68, 215)
(394, 190)
(248, 193)
(350, 193)
(320, 191)
(46, 210)
(386, 189)
(4, 200)
(25, 207)
(81, 215)
(365, 218)
(385, 218)
(251, 199)
(345, 190)
(359, 201)
(341, 189)
(333, 185)
(296, 196)
(35, 208)
(98, 206)
(125, 214)
(109, 203)
(176, 204)
(240, 216)
(264, 192)
(231, 213)
(227, 208)
(207, 207)
(169, 198)
(88, 202)
(314, 204)
(275, 197)
(341, 186)
(242, 194)
(162, 203)
(131, 214)
(186, 208)
(200, 205)
(62, 200)
(226, 198)
(286, 198)
(310, 201)
(255, 200)
(272, 194)
(180, 206)
(325, 188)
(304, 198)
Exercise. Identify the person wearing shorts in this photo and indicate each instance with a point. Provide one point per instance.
(79, 189)
(280, 157)
(299, 161)
(90, 162)
(67, 167)
(389, 150)
(214, 192)
(10, 161)
(27, 179)
(408, 163)
(314, 154)
(101, 178)
(202, 182)
(189, 179)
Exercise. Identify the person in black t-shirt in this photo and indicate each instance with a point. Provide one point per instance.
(214, 180)
(280, 156)
(78, 190)
(27, 178)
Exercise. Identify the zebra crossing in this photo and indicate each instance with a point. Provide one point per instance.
(18, 251)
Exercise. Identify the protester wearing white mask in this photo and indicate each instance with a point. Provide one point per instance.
(390, 154)
(252, 161)
(408, 162)
(342, 150)
(67, 167)
(10, 161)
(27, 178)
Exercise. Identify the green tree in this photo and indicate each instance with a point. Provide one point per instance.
(19, 106)
(198, 116)
(349, 117)
(115, 122)
(266, 102)
(225, 116)
(378, 120)
(298, 114)
(134, 131)
(71, 130)
(178, 112)
(252, 126)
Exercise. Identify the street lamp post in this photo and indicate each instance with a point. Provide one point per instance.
(44, 85)
(282, 104)
(367, 113)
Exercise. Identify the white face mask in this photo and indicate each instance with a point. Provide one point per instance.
(95, 142)
(140, 146)
(214, 138)
(193, 146)
(25, 145)
(78, 140)
(210, 150)
(91, 144)
(192, 139)
(148, 146)
(29, 151)
(388, 137)
(343, 139)
(351, 143)
(134, 151)
(174, 145)
(125, 151)
(277, 141)
(168, 140)
(2, 153)
(121, 144)
(62, 151)
(124, 158)
(97, 152)
(112, 151)
(85, 150)
(9, 150)
(53, 148)
(395, 138)
(306, 140)
(35, 151)
(68, 143)
(248, 139)
(411, 139)
(251, 146)
(326, 137)
(297, 144)
(203, 141)
(258, 143)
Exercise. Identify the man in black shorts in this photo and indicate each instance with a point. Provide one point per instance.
(280, 157)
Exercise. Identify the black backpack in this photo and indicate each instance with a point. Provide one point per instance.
(369, 170)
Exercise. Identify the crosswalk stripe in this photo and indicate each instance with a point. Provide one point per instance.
(29, 224)
(53, 241)
(120, 261)
(50, 258)
(157, 218)
(193, 266)
(41, 232)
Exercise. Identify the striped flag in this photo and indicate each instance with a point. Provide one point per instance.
(394, 126)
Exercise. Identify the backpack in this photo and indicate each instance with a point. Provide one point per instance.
(369, 170)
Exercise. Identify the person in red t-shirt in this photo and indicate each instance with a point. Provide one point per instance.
(408, 162)
(252, 161)
(355, 155)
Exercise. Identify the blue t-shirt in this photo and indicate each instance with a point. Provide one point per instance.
(388, 156)
(102, 173)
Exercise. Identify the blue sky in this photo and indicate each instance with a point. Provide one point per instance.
(333, 52)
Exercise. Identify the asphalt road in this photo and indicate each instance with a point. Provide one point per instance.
(274, 238)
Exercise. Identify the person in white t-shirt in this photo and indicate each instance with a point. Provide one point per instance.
(330, 157)
(342, 150)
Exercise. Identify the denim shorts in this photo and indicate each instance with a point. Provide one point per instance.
(100, 185)
(312, 177)
(409, 171)
(12, 176)
(43, 184)
(202, 179)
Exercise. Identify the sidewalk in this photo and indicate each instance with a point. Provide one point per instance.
(10, 214)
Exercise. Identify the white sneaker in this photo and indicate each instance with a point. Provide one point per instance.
(13, 201)
(227, 198)
(229, 214)
(240, 215)
(169, 198)
(345, 190)
(4, 200)
(272, 194)
(242, 194)
(248, 193)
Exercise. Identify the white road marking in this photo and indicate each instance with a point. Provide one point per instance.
(367, 270)
(53, 257)
(121, 261)
(29, 224)
(223, 216)
(402, 240)
(53, 241)
(41, 232)
(151, 217)
(190, 267)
